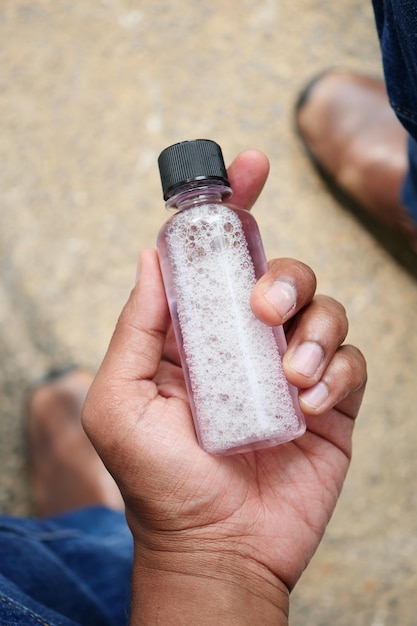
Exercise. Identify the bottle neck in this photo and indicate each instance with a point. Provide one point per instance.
(198, 192)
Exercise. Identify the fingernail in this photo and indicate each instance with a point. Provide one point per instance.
(315, 396)
(283, 297)
(307, 358)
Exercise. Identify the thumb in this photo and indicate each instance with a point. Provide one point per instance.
(135, 349)
(123, 386)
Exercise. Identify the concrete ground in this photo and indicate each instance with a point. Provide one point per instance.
(90, 93)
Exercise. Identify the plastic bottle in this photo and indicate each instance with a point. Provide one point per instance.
(211, 255)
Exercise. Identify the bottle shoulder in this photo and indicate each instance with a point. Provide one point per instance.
(211, 213)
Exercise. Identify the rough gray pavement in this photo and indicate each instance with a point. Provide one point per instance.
(90, 93)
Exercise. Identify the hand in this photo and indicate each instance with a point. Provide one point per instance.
(255, 518)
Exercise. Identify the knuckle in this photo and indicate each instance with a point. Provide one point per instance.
(353, 366)
(288, 266)
(334, 316)
(358, 364)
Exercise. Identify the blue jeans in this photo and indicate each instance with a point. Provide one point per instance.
(396, 22)
(70, 570)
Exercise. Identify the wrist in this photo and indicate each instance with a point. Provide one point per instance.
(207, 587)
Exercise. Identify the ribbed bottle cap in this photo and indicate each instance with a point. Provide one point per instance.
(187, 161)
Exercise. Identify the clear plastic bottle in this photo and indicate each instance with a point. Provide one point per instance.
(211, 255)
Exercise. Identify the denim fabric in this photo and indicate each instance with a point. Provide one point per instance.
(70, 570)
(396, 22)
(409, 190)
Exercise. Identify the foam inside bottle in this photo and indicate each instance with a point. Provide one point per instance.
(240, 393)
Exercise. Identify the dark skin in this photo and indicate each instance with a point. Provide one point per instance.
(224, 539)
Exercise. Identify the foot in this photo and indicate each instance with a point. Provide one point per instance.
(66, 472)
(354, 137)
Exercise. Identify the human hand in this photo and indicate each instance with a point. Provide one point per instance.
(254, 519)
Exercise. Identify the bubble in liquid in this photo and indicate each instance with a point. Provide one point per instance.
(240, 391)
(219, 243)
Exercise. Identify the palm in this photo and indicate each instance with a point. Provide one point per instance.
(274, 503)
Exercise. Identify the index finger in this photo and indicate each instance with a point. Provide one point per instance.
(247, 175)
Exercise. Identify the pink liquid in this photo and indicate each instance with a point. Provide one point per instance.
(211, 257)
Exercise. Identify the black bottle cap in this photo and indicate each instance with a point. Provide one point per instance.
(187, 161)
